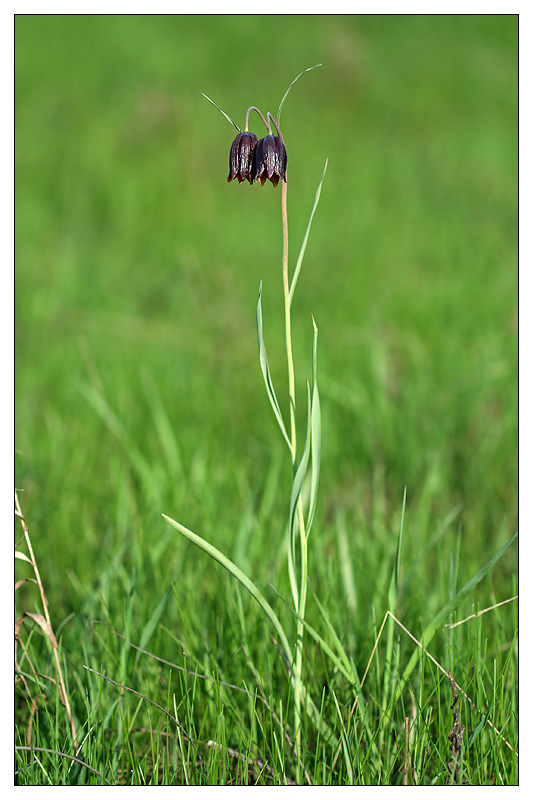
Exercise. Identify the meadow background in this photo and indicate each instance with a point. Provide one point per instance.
(138, 388)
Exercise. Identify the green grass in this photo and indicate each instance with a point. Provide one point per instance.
(138, 391)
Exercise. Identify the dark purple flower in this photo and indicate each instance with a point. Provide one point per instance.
(270, 160)
(240, 157)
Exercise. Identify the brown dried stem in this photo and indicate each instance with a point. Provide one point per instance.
(44, 622)
(456, 741)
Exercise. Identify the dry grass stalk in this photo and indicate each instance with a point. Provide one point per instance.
(483, 611)
(42, 620)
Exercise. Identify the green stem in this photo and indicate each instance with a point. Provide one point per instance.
(300, 601)
(288, 339)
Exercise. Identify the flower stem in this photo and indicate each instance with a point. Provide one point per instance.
(254, 108)
(288, 338)
(301, 596)
(271, 117)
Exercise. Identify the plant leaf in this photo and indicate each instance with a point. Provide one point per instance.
(222, 112)
(25, 580)
(316, 433)
(306, 237)
(234, 570)
(23, 557)
(263, 360)
(345, 747)
(393, 604)
(290, 87)
(302, 468)
(151, 625)
(118, 430)
(348, 672)
(41, 622)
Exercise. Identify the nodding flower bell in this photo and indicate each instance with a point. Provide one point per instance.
(270, 160)
(241, 156)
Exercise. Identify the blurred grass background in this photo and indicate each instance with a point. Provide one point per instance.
(137, 273)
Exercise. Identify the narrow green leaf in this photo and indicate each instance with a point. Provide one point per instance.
(315, 715)
(354, 678)
(345, 748)
(302, 467)
(345, 562)
(328, 650)
(306, 237)
(350, 674)
(151, 625)
(393, 604)
(291, 567)
(163, 427)
(263, 360)
(424, 551)
(234, 570)
(295, 494)
(480, 727)
(395, 578)
(290, 87)
(118, 430)
(316, 433)
(222, 112)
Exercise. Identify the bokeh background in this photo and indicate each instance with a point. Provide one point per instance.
(138, 387)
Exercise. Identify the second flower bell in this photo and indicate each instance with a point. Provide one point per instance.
(270, 160)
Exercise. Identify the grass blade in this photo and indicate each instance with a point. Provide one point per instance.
(297, 484)
(306, 237)
(263, 360)
(345, 562)
(302, 467)
(290, 87)
(393, 605)
(234, 570)
(345, 746)
(337, 660)
(151, 625)
(99, 403)
(222, 112)
(316, 434)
